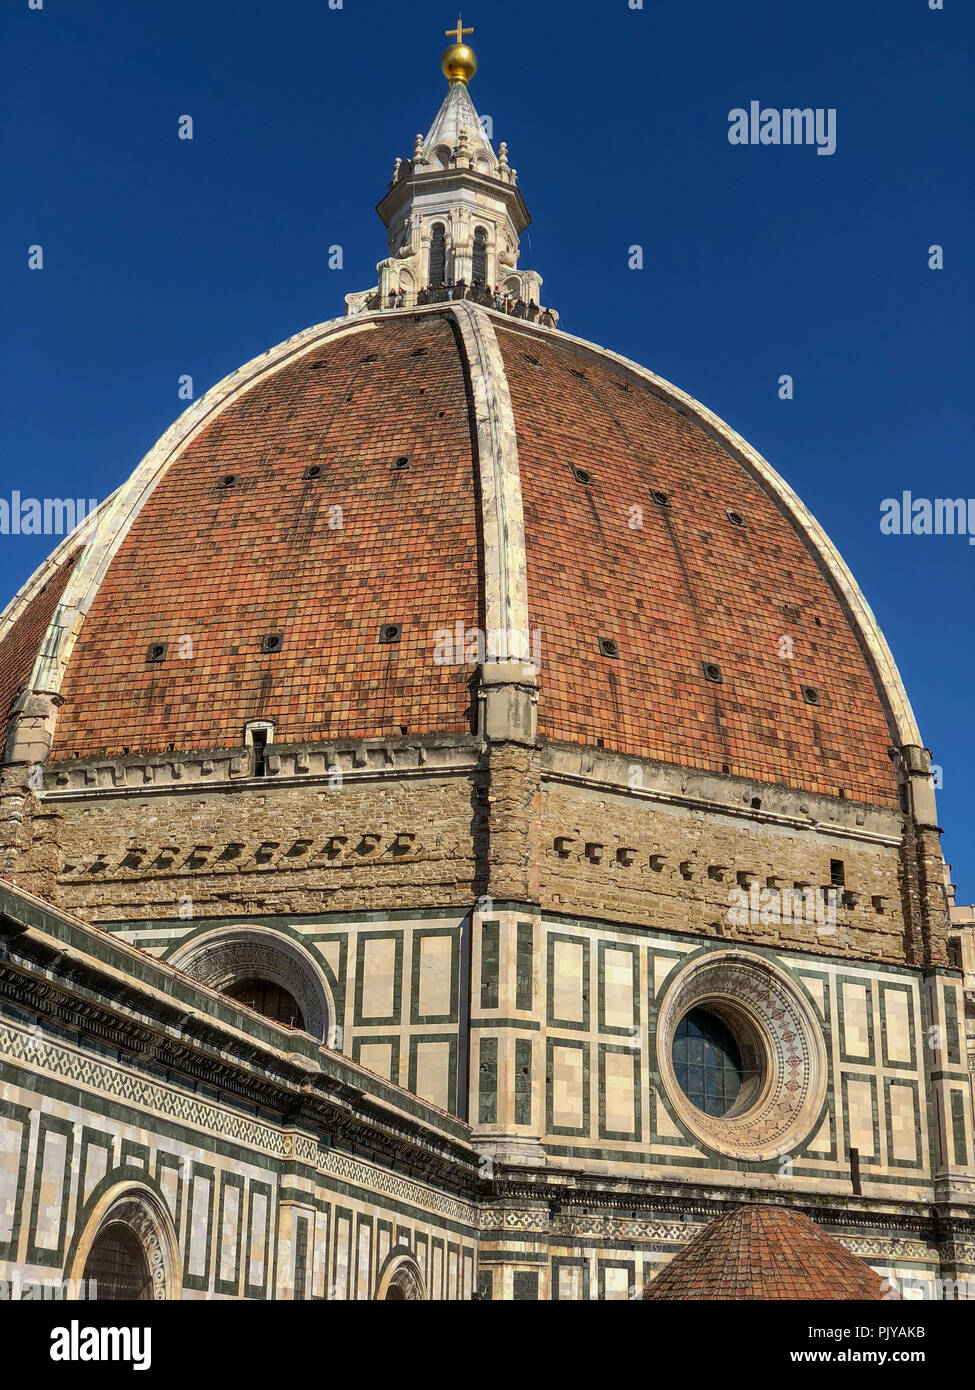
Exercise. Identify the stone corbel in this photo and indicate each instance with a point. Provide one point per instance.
(30, 729)
(509, 702)
(916, 766)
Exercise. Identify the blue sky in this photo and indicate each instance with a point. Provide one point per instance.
(164, 256)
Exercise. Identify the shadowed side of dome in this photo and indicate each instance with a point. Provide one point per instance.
(767, 1254)
(22, 640)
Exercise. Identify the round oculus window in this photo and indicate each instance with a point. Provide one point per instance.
(741, 1055)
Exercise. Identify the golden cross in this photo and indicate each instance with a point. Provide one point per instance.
(458, 34)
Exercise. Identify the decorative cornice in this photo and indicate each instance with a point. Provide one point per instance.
(160, 1017)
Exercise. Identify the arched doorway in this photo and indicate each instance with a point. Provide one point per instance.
(401, 1279)
(128, 1249)
(267, 998)
(116, 1267)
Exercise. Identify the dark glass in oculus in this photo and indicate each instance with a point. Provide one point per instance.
(707, 1062)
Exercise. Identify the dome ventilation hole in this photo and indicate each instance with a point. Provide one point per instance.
(370, 357)
(272, 642)
(577, 371)
(811, 695)
(400, 462)
(156, 652)
(712, 672)
(390, 632)
(419, 352)
(532, 361)
(317, 366)
(314, 470)
(662, 499)
(734, 517)
(228, 480)
(581, 475)
(608, 646)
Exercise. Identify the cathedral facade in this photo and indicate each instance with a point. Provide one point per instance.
(463, 830)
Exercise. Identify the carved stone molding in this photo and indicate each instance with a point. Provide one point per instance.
(231, 955)
(783, 1046)
(142, 1213)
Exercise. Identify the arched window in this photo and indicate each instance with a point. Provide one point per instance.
(707, 1062)
(479, 271)
(116, 1267)
(400, 1280)
(267, 998)
(438, 255)
(265, 970)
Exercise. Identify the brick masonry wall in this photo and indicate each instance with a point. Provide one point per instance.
(621, 859)
(364, 846)
(442, 841)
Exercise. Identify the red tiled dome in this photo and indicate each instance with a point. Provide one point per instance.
(675, 585)
(768, 1254)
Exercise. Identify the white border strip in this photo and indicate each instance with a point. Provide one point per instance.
(46, 571)
(502, 511)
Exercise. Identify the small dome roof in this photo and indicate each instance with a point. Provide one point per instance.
(769, 1254)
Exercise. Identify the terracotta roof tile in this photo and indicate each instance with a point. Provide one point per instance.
(20, 646)
(765, 1253)
(685, 587)
(225, 567)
